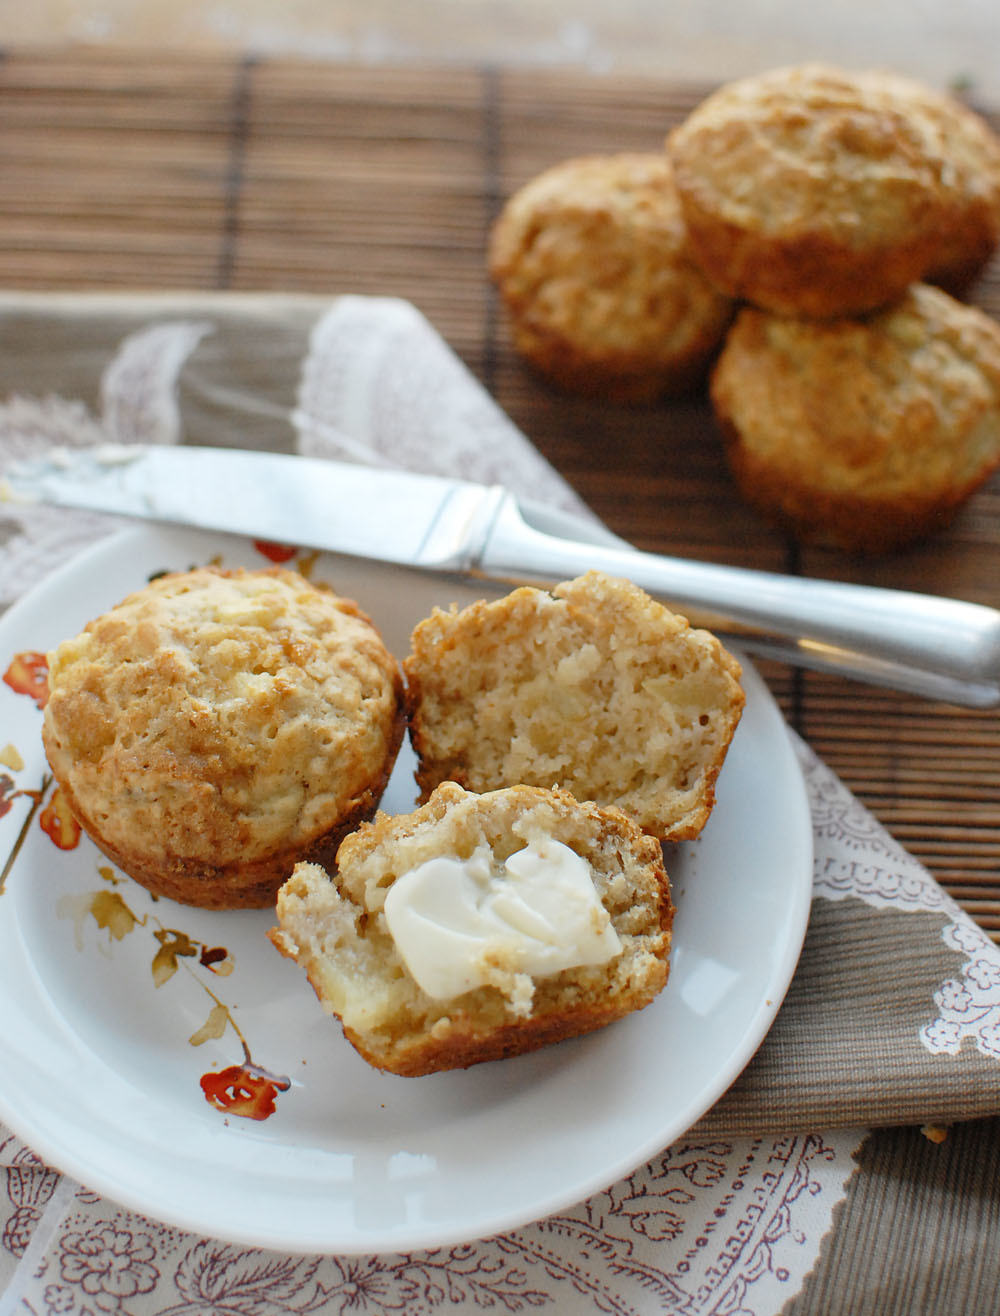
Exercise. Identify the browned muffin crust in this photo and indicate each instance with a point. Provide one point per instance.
(594, 687)
(218, 726)
(972, 152)
(862, 434)
(812, 191)
(604, 299)
(334, 928)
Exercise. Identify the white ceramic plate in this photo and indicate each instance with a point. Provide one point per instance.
(100, 1076)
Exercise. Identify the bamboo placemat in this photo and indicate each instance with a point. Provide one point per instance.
(144, 171)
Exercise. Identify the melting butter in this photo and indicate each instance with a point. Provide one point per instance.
(456, 922)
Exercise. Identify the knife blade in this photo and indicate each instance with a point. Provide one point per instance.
(936, 647)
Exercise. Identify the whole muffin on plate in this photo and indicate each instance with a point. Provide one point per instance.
(592, 261)
(865, 433)
(480, 927)
(594, 687)
(216, 727)
(814, 191)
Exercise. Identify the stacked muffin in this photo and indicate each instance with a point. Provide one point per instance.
(860, 406)
(604, 295)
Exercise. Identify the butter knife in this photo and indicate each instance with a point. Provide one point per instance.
(935, 647)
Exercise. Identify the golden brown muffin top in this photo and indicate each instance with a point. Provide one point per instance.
(814, 149)
(906, 401)
(595, 251)
(219, 715)
(970, 147)
(971, 151)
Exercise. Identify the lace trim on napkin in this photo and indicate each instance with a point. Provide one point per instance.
(713, 1225)
(138, 393)
(856, 856)
(380, 386)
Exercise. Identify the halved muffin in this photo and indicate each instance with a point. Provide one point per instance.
(594, 687)
(481, 926)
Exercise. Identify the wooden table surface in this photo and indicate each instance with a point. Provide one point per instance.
(209, 171)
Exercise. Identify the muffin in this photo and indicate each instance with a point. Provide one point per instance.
(594, 687)
(592, 262)
(862, 434)
(480, 927)
(972, 152)
(216, 727)
(811, 191)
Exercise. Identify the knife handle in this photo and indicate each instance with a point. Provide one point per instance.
(935, 647)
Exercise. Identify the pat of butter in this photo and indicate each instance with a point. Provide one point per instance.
(456, 922)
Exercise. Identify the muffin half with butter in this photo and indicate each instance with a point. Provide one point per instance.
(216, 727)
(481, 926)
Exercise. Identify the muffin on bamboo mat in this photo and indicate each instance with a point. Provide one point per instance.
(218, 726)
(480, 927)
(592, 262)
(866, 433)
(972, 151)
(813, 191)
(594, 687)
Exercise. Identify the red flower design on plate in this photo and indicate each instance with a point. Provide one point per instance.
(243, 1090)
(57, 820)
(28, 674)
(275, 552)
